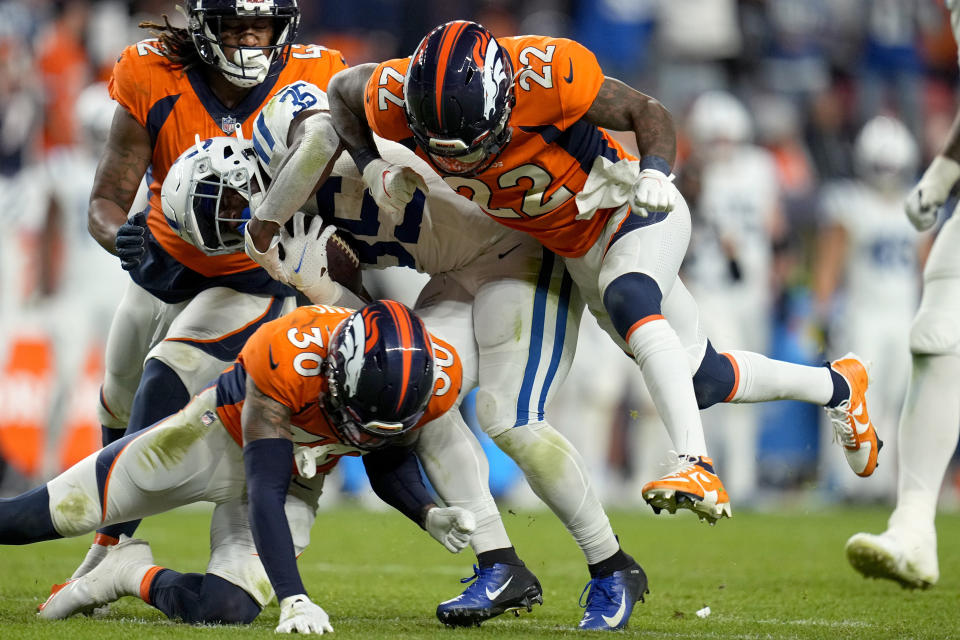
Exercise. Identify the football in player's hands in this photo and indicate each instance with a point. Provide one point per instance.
(343, 262)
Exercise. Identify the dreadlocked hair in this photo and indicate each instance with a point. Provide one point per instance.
(178, 46)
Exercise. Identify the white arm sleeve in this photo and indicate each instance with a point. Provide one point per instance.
(294, 174)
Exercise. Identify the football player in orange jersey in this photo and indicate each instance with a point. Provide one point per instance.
(518, 126)
(308, 388)
(185, 313)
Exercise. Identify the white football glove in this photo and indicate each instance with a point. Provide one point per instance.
(653, 191)
(451, 527)
(304, 263)
(392, 186)
(299, 615)
(926, 198)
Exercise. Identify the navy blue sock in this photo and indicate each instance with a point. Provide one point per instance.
(507, 555)
(714, 380)
(841, 390)
(201, 598)
(617, 562)
(109, 435)
(25, 519)
(161, 393)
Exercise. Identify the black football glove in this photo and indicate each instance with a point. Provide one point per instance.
(130, 243)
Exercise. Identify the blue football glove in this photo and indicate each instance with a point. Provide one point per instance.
(130, 243)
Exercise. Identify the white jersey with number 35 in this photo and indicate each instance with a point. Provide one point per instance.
(439, 232)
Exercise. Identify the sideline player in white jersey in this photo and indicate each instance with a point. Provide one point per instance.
(737, 217)
(503, 301)
(867, 279)
(930, 422)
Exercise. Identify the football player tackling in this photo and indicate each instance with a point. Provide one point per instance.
(518, 126)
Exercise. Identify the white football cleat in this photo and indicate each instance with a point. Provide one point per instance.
(117, 575)
(909, 559)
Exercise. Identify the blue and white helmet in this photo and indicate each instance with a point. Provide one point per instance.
(249, 66)
(885, 153)
(206, 194)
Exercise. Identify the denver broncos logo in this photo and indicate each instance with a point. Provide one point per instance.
(493, 75)
(352, 349)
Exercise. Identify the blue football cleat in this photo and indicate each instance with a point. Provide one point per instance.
(497, 589)
(611, 599)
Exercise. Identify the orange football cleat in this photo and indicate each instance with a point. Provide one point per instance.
(852, 427)
(693, 485)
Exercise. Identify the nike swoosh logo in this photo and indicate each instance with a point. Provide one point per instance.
(303, 254)
(569, 78)
(508, 251)
(615, 619)
(273, 365)
(494, 594)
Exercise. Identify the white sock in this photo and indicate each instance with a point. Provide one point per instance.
(666, 372)
(557, 474)
(762, 379)
(95, 555)
(927, 437)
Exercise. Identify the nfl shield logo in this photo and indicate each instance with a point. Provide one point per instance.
(228, 124)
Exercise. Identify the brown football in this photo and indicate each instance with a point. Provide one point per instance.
(343, 263)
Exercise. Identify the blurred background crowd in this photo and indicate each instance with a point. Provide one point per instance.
(802, 124)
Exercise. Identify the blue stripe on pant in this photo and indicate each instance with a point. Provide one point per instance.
(533, 397)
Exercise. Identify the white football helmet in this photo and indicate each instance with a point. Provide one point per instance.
(719, 116)
(94, 111)
(885, 154)
(206, 194)
(249, 66)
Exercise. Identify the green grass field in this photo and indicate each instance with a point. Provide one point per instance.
(763, 575)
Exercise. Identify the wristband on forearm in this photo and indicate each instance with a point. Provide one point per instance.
(655, 162)
(364, 156)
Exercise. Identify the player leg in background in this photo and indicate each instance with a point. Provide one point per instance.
(143, 479)
(928, 432)
(595, 396)
(191, 343)
(139, 322)
(625, 277)
(884, 337)
(526, 330)
(736, 315)
(457, 468)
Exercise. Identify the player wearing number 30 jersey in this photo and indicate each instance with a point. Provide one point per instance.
(308, 388)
